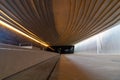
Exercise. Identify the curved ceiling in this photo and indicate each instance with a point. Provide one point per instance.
(62, 22)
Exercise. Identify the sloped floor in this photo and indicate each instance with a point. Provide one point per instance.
(87, 67)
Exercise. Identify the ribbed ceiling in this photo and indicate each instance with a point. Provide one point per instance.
(63, 22)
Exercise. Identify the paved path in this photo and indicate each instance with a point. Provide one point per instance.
(87, 67)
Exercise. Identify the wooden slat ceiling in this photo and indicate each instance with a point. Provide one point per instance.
(63, 22)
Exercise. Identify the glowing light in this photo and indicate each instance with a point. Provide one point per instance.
(22, 33)
(17, 23)
(11, 23)
(30, 36)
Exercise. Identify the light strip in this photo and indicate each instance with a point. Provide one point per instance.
(17, 23)
(10, 23)
(22, 33)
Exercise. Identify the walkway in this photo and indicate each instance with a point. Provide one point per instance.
(87, 67)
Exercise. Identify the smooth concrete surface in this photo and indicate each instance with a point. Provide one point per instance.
(9, 46)
(87, 67)
(38, 72)
(106, 42)
(15, 60)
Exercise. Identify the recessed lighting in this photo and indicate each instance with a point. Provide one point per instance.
(22, 33)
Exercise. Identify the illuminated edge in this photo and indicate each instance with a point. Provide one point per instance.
(22, 33)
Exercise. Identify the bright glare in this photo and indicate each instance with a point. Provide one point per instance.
(96, 36)
(87, 40)
(22, 33)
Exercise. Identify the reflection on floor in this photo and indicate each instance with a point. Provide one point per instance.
(87, 67)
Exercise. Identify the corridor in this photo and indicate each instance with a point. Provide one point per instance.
(59, 40)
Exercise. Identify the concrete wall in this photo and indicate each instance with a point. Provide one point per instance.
(107, 42)
(87, 46)
(9, 46)
(110, 41)
(14, 61)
